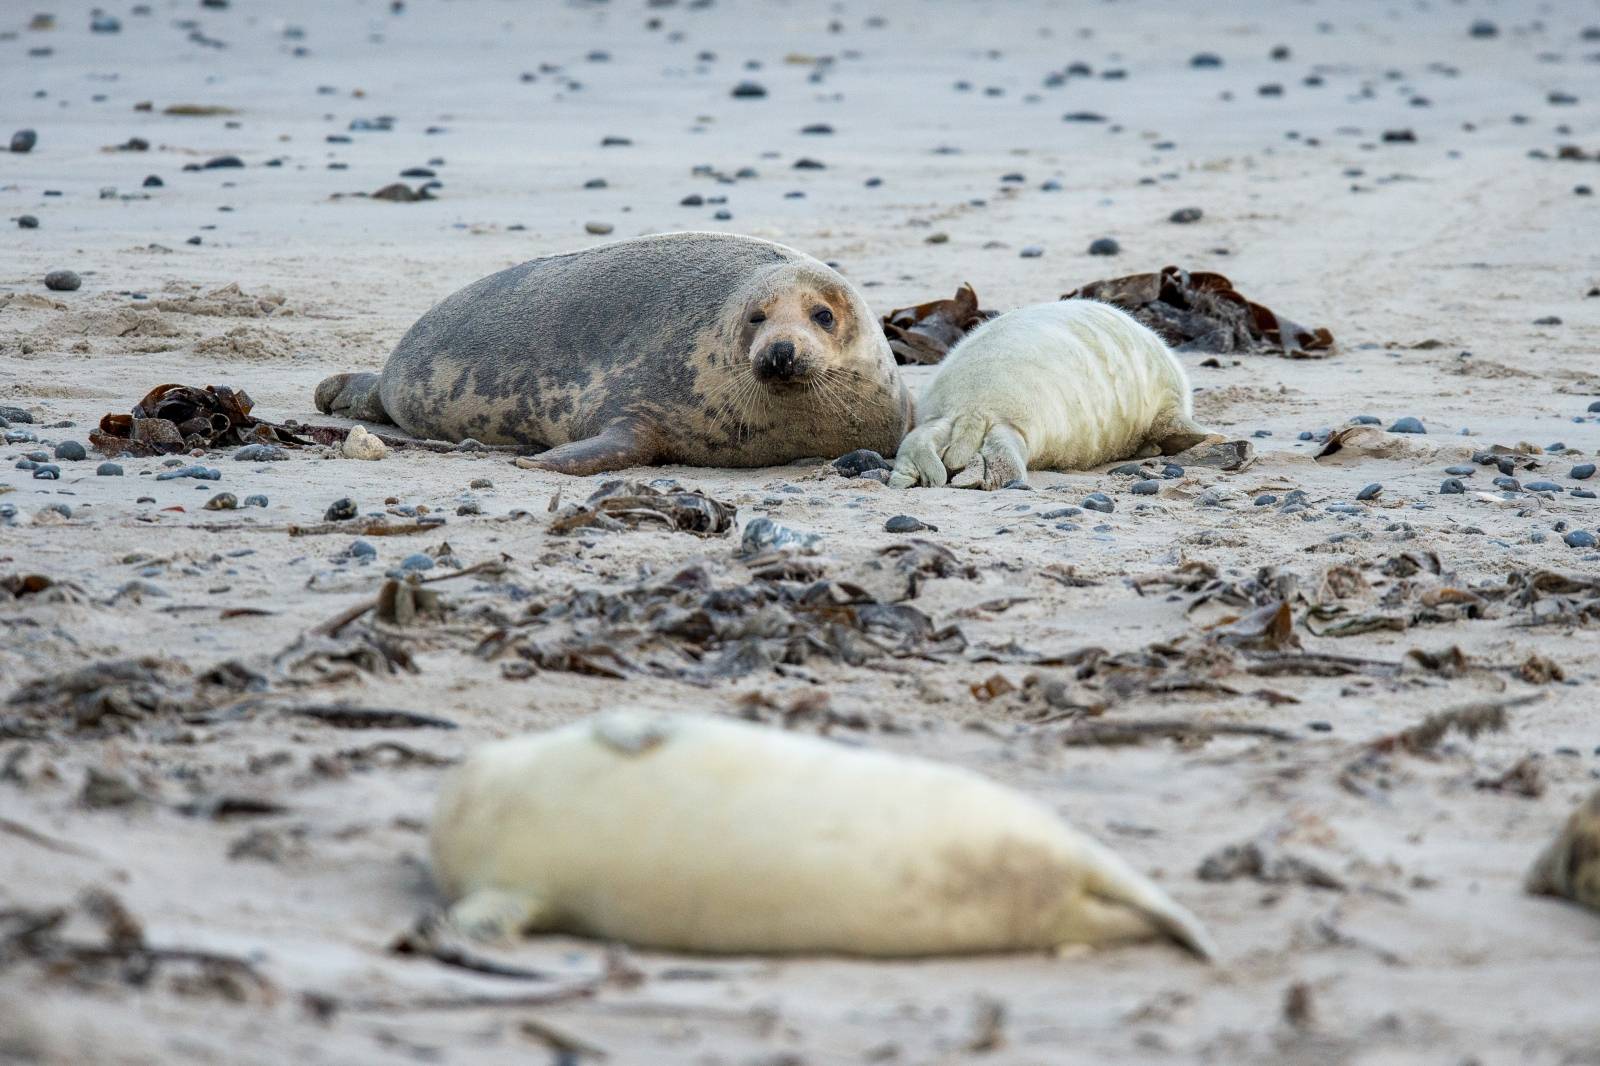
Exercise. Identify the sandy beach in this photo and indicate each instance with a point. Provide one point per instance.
(214, 851)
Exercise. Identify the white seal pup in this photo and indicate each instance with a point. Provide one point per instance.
(702, 834)
(1058, 386)
(707, 349)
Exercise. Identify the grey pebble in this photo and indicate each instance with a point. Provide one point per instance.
(1031, 251)
(1266, 499)
(1171, 471)
(1408, 424)
(108, 470)
(360, 549)
(1370, 492)
(417, 561)
(854, 464)
(27, 222)
(1104, 246)
(1367, 420)
(71, 450)
(256, 500)
(1580, 538)
(1509, 484)
(480, 483)
(1184, 215)
(1099, 501)
(62, 281)
(469, 507)
(223, 501)
(341, 510)
(47, 472)
(24, 140)
(1460, 471)
(1451, 487)
(1146, 488)
(1128, 470)
(1543, 486)
(260, 453)
(1582, 472)
(1062, 512)
(904, 523)
(200, 473)
(471, 444)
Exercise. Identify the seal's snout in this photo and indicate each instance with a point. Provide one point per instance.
(779, 362)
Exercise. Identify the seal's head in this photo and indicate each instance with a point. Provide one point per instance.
(798, 326)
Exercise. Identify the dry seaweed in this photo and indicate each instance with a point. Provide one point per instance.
(693, 627)
(618, 505)
(924, 334)
(1263, 860)
(113, 695)
(176, 418)
(1113, 733)
(342, 717)
(1201, 312)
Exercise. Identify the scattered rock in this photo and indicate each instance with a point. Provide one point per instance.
(361, 444)
(341, 510)
(260, 453)
(1098, 501)
(1104, 246)
(749, 90)
(24, 140)
(854, 464)
(223, 501)
(904, 523)
(71, 450)
(108, 470)
(599, 229)
(1370, 492)
(1185, 215)
(1408, 424)
(62, 281)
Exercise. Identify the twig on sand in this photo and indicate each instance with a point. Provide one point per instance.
(566, 994)
(331, 627)
(1111, 733)
(367, 717)
(560, 1041)
(33, 836)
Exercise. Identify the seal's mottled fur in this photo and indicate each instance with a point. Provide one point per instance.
(642, 352)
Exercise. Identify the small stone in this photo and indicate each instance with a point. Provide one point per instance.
(1451, 487)
(599, 229)
(24, 140)
(1031, 251)
(1408, 424)
(1146, 488)
(904, 523)
(1099, 501)
(71, 450)
(47, 472)
(260, 453)
(471, 444)
(694, 199)
(1104, 246)
(748, 90)
(341, 510)
(417, 561)
(469, 507)
(1582, 472)
(1370, 492)
(854, 464)
(1543, 486)
(1128, 470)
(108, 470)
(1366, 420)
(27, 222)
(360, 549)
(223, 501)
(1461, 470)
(1580, 538)
(1185, 215)
(1205, 60)
(1594, 408)
(62, 281)
(1508, 484)
(1266, 499)
(480, 483)
(200, 473)
(359, 444)
(1548, 320)
(256, 500)
(1483, 28)
(1172, 471)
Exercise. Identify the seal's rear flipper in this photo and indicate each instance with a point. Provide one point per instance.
(353, 396)
(1178, 433)
(1118, 887)
(620, 445)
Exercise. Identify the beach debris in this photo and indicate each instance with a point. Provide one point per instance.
(112, 695)
(764, 535)
(1202, 312)
(1266, 861)
(340, 716)
(1570, 866)
(619, 505)
(924, 334)
(176, 418)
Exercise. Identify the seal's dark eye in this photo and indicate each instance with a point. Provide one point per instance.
(823, 317)
(758, 318)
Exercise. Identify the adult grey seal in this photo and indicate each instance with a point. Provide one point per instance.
(706, 349)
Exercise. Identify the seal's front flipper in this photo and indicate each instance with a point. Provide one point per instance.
(495, 914)
(353, 396)
(917, 462)
(618, 446)
(1002, 459)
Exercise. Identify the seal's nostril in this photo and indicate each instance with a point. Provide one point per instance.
(783, 350)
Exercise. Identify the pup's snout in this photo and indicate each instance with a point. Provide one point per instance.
(778, 363)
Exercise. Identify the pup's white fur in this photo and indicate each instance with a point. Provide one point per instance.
(1059, 386)
(703, 834)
